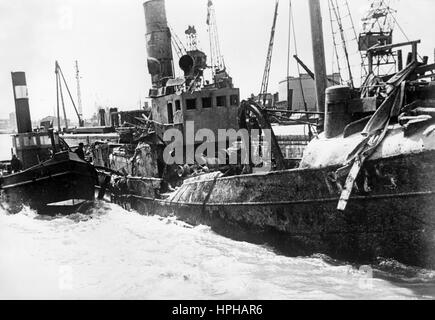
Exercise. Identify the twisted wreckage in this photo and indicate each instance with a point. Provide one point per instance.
(364, 188)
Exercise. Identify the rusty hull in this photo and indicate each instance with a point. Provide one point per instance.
(391, 213)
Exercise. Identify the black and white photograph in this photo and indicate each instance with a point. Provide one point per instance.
(234, 152)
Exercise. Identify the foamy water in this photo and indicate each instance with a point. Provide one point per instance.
(115, 254)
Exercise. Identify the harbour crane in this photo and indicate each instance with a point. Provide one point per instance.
(265, 81)
(217, 60)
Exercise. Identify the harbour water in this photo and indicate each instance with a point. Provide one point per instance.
(110, 253)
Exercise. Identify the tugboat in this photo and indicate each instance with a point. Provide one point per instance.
(50, 178)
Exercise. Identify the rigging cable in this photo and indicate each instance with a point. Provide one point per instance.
(337, 13)
(335, 51)
(60, 77)
(179, 47)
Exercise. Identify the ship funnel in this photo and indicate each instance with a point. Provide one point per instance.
(158, 42)
(22, 110)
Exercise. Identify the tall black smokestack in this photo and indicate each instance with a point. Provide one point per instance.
(24, 123)
(158, 40)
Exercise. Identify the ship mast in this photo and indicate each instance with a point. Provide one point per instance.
(79, 96)
(59, 92)
(265, 82)
(318, 53)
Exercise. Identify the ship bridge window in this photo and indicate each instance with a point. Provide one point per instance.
(221, 101)
(206, 102)
(190, 104)
(234, 100)
(29, 141)
(177, 105)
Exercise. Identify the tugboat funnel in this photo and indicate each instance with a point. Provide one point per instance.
(21, 97)
(158, 42)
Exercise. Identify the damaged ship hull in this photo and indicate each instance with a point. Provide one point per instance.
(364, 186)
(391, 213)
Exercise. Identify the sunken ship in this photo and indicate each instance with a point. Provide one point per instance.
(363, 188)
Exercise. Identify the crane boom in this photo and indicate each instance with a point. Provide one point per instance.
(265, 81)
(178, 45)
(217, 60)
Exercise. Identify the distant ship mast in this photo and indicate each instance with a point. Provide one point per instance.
(60, 78)
(79, 95)
(178, 45)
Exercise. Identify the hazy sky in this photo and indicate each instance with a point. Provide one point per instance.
(107, 37)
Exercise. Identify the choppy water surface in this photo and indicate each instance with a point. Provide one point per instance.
(115, 254)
